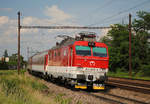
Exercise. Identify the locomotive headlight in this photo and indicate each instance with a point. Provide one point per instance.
(106, 70)
(91, 44)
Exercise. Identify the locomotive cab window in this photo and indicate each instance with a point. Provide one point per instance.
(83, 50)
(99, 51)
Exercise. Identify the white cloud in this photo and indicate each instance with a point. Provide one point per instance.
(28, 20)
(32, 21)
(3, 20)
(56, 17)
(40, 39)
(6, 9)
(104, 32)
(56, 14)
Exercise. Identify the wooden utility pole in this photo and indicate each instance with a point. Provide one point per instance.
(18, 67)
(28, 53)
(130, 58)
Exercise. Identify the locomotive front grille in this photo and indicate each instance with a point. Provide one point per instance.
(81, 76)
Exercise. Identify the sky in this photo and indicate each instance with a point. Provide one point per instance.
(59, 13)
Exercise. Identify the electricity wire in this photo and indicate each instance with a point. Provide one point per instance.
(119, 13)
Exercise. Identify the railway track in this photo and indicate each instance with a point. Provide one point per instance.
(105, 99)
(115, 99)
(130, 84)
(112, 98)
(104, 96)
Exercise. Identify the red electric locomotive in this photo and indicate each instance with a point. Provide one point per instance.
(81, 61)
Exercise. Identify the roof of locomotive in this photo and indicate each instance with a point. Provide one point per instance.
(85, 43)
(71, 42)
(64, 42)
(78, 41)
(81, 38)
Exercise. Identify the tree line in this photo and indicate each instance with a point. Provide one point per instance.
(12, 61)
(117, 40)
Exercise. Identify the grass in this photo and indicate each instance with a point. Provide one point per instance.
(121, 74)
(23, 89)
(20, 89)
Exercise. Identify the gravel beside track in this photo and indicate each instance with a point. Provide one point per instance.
(113, 95)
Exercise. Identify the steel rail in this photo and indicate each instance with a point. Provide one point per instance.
(105, 99)
(113, 99)
(125, 98)
(135, 85)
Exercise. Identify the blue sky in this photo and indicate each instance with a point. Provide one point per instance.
(59, 12)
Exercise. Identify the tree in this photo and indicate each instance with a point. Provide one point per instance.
(143, 23)
(142, 28)
(3, 64)
(117, 40)
(5, 53)
(14, 58)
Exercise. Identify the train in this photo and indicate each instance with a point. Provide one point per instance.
(81, 62)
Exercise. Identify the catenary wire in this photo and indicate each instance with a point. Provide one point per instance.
(119, 13)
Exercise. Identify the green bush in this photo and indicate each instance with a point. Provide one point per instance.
(7, 72)
(145, 71)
